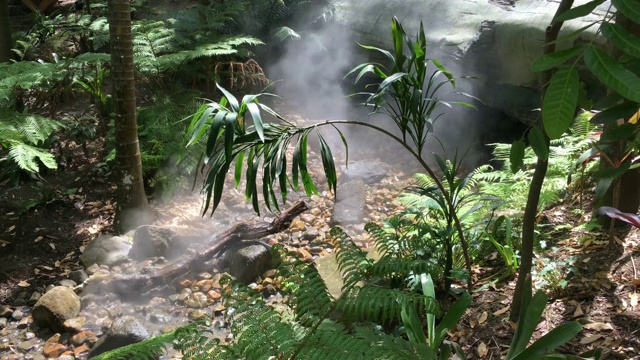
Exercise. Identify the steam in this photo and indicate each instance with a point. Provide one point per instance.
(312, 84)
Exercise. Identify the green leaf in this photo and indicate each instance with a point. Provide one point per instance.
(235, 106)
(238, 168)
(579, 11)
(630, 9)
(551, 60)
(539, 143)
(328, 164)
(615, 113)
(611, 73)
(257, 119)
(516, 157)
(412, 325)
(615, 133)
(560, 102)
(552, 340)
(452, 317)
(622, 39)
(601, 189)
(528, 323)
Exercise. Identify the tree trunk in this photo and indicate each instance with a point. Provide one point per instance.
(5, 32)
(132, 209)
(531, 209)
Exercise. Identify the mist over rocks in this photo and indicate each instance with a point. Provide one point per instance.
(106, 250)
(55, 307)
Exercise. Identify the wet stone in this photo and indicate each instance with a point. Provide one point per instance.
(3, 323)
(75, 324)
(197, 315)
(17, 315)
(160, 318)
(24, 323)
(5, 311)
(53, 350)
(26, 345)
(34, 298)
(68, 283)
(29, 335)
(79, 276)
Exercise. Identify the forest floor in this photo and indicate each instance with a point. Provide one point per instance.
(45, 224)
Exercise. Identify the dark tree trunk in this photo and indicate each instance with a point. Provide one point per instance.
(5, 32)
(132, 209)
(531, 209)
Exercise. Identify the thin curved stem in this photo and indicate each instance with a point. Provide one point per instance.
(432, 174)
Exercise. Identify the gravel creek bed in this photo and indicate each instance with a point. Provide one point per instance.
(196, 295)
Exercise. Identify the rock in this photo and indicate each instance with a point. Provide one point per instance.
(3, 322)
(17, 315)
(197, 315)
(80, 350)
(53, 350)
(156, 241)
(93, 269)
(246, 260)
(25, 346)
(5, 311)
(75, 324)
(55, 307)
(370, 172)
(79, 276)
(84, 337)
(68, 283)
(124, 331)
(106, 250)
(34, 298)
(349, 208)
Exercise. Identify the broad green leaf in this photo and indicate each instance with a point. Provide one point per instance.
(428, 290)
(528, 323)
(615, 133)
(573, 34)
(615, 113)
(601, 189)
(538, 143)
(611, 73)
(622, 39)
(579, 11)
(560, 102)
(516, 157)
(452, 317)
(552, 340)
(551, 60)
(630, 9)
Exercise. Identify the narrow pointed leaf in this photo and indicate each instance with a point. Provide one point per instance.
(551, 60)
(622, 39)
(579, 11)
(622, 111)
(238, 168)
(235, 106)
(257, 119)
(611, 73)
(452, 317)
(528, 323)
(560, 102)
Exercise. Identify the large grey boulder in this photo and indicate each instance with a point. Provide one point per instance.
(370, 172)
(106, 250)
(55, 307)
(246, 260)
(124, 331)
(497, 40)
(152, 241)
(350, 203)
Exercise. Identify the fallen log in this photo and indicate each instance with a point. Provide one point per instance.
(141, 283)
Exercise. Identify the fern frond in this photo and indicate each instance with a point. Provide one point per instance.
(147, 349)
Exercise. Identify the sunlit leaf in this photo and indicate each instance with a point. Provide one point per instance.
(538, 143)
(551, 60)
(622, 39)
(611, 73)
(560, 102)
(630, 9)
(579, 11)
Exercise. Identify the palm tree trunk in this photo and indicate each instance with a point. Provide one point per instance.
(5, 32)
(533, 199)
(132, 209)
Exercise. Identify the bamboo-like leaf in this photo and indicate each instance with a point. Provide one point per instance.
(516, 156)
(552, 340)
(229, 136)
(560, 102)
(214, 132)
(412, 325)
(611, 73)
(630, 9)
(235, 106)
(551, 60)
(238, 168)
(622, 39)
(579, 11)
(328, 163)
(538, 143)
(197, 126)
(386, 53)
(257, 119)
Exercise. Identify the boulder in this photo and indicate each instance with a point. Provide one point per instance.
(496, 40)
(350, 203)
(246, 260)
(55, 307)
(106, 250)
(370, 172)
(155, 241)
(124, 331)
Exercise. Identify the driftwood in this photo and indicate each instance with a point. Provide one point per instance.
(141, 283)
